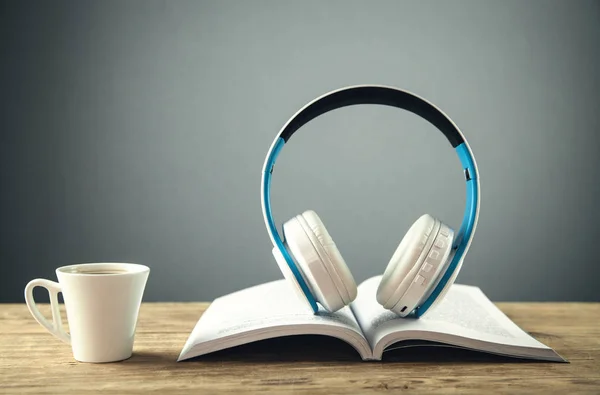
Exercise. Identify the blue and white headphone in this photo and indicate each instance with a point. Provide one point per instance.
(429, 256)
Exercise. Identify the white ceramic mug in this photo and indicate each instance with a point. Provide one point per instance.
(102, 301)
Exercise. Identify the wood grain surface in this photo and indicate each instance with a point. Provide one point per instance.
(33, 361)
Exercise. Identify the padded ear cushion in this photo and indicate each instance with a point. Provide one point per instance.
(320, 261)
(340, 272)
(404, 264)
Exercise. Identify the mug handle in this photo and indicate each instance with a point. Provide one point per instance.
(53, 288)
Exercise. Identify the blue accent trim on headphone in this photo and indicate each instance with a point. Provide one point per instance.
(271, 224)
(466, 229)
(468, 163)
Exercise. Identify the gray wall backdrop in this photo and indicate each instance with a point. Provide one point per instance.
(136, 131)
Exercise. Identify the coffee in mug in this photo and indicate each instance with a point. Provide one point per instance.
(102, 301)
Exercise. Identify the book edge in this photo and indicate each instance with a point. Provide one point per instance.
(280, 331)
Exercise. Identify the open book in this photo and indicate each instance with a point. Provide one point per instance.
(465, 318)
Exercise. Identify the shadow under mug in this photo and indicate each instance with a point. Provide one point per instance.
(102, 301)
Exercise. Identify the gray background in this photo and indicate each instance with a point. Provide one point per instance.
(136, 131)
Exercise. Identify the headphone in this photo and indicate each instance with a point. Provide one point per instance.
(430, 255)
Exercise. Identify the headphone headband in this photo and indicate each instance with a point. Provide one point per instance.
(374, 94)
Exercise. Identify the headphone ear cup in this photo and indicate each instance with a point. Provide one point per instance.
(319, 261)
(416, 265)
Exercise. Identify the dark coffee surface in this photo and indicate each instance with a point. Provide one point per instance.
(98, 271)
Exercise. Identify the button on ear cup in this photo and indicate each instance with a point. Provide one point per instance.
(432, 264)
(320, 261)
(402, 262)
(426, 238)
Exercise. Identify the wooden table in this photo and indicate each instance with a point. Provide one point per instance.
(33, 361)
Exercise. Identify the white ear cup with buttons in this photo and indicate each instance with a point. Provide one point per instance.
(319, 261)
(416, 266)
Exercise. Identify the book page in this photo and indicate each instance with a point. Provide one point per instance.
(266, 311)
(465, 317)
